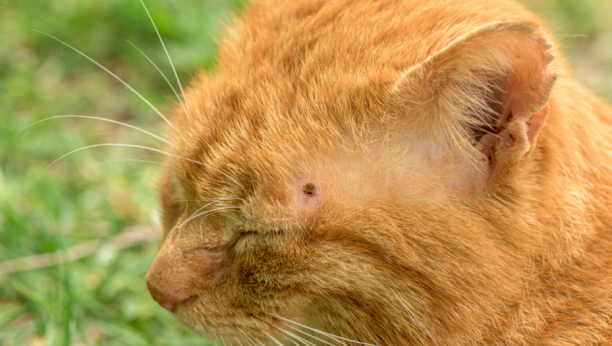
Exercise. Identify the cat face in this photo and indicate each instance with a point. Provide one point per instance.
(356, 174)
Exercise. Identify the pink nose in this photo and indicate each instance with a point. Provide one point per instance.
(167, 300)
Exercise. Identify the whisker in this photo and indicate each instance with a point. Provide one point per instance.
(169, 59)
(322, 332)
(251, 339)
(273, 327)
(223, 341)
(314, 337)
(145, 148)
(163, 75)
(128, 160)
(304, 341)
(204, 213)
(238, 341)
(296, 337)
(200, 200)
(248, 339)
(109, 72)
(273, 339)
(414, 316)
(97, 118)
(139, 173)
(197, 211)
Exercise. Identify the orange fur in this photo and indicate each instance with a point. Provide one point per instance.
(455, 197)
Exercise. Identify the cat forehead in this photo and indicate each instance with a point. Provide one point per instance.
(266, 109)
(313, 62)
(303, 38)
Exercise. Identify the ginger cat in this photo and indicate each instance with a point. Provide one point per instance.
(412, 172)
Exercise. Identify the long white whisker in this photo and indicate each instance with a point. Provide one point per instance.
(101, 119)
(142, 172)
(251, 339)
(140, 147)
(248, 339)
(204, 213)
(128, 160)
(223, 341)
(200, 200)
(302, 340)
(163, 75)
(109, 72)
(416, 318)
(273, 339)
(197, 211)
(202, 230)
(314, 337)
(238, 341)
(297, 337)
(322, 332)
(280, 330)
(169, 59)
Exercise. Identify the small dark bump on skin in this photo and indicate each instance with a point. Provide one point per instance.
(309, 189)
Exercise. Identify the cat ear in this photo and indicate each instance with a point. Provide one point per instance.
(489, 87)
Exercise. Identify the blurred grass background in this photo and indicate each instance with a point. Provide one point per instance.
(90, 197)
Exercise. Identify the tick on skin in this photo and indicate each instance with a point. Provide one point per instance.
(309, 189)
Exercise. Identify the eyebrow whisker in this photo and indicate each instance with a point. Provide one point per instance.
(163, 75)
(204, 213)
(169, 59)
(112, 74)
(101, 119)
(206, 205)
(140, 147)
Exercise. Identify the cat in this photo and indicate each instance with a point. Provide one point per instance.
(388, 172)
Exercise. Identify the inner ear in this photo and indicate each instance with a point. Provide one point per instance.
(492, 117)
(516, 111)
(493, 120)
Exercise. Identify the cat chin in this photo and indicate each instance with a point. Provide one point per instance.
(217, 325)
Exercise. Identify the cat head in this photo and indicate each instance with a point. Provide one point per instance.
(358, 169)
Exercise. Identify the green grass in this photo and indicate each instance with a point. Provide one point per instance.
(102, 299)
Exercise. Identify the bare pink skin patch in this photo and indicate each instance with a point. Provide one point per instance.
(310, 194)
